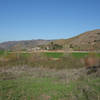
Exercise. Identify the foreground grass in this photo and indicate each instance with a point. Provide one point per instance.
(28, 88)
(31, 89)
(46, 84)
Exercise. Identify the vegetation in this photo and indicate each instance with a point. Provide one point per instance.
(59, 54)
(88, 41)
(54, 54)
(55, 46)
(47, 76)
(43, 84)
(2, 52)
(47, 60)
(79, 55)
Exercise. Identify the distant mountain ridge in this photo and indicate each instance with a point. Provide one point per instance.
(25, 44)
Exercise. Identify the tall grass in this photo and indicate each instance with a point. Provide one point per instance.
(92, 60)
(48, 60)
(43, 80)
(39, 60)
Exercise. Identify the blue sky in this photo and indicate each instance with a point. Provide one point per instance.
(47, 19)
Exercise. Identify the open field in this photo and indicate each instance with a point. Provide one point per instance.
(49, 50)
(74, 54)
(56, 60)
(53, 54)
(80, 55)
(27, 83)
(47, 76)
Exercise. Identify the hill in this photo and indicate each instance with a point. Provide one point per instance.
(25, 44)
(86, 41)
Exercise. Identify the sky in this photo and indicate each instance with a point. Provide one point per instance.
(47, 19)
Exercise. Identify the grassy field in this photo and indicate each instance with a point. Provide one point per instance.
(46, 89)
(35, 76)
(80, 55)
(39, 59)
(59, 55)
(48, 85)
(32, 89)
(54, 54)
(47, 60)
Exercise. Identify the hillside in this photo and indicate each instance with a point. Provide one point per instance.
(26, 44)
(86, 41)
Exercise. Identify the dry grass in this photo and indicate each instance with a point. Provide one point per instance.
(92, 60)
(39, 60)
(24, 82)
(37, 77)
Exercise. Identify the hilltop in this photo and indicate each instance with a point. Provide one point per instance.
(86, 41)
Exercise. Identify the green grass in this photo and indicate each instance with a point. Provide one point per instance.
(82, 55)
(2, 52)
(59, 55)
(48, 89)
(54, 54)
(99, 54)
(79, 55)
(51, 54)
(28, 88)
